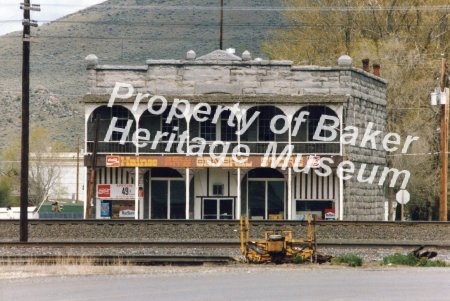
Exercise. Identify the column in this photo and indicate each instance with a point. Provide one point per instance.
(136, 192)
(238, 194)
(289, 194)
(289, 184)
(341, 199)
(238, 176)
(187, 192)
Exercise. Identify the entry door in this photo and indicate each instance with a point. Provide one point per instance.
(265, 198)
(168, 199)
(218, 208)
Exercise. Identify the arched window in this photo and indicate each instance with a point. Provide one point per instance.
(214, 128)
(259, 134)
(158, 123)
(105, 115)
(303, 132)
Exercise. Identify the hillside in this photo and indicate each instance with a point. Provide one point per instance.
(118, 32)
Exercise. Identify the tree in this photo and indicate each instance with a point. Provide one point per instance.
(6, 198)
(44, 166)
(406, 38)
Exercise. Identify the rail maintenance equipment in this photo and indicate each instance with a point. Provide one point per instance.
(279, 246)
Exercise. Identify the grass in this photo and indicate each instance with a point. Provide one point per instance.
(351, 260)
(411, 260)
(298, 259)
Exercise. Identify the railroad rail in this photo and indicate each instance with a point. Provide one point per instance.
(114, 260)
(211, 244)
(173, 252)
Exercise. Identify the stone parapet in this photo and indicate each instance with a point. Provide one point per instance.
(219, 73)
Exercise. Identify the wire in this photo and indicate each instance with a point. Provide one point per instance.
(281, 24)
(259, 8)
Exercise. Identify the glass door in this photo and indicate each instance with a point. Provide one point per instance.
(265, 199)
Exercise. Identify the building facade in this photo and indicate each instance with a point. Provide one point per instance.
(158, 131)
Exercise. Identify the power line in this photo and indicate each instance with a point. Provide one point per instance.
(281, 24)
(260, 8)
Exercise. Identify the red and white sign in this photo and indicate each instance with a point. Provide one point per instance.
(112, 161)
(104, 191)
(115, 191)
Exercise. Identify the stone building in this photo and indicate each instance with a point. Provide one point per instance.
(304, 103)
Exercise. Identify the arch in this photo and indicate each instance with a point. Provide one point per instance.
(304, 129)
(214, 128)
(158, 123)
(259, 134)
(106, 114)
(166, 192)
(164, 172)
(264, 194)
(264, 172)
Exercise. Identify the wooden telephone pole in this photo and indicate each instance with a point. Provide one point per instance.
(444, 144)
(221, 26)
(25, 143)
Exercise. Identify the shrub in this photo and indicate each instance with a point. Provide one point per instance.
(349, 259)
(411, 260)
(424, 262)
(298, 259)
(400, 259)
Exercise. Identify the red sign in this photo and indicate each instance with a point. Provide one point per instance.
(116, 191)
(112, 161)
(104, 190)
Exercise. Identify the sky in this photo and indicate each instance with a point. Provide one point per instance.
(11, 15)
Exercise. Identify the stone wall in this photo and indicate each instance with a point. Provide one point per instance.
(367, 104)
(223, 73)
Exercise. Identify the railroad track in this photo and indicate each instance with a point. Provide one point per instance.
(211, 244)
(115, 260)
(211, 237)
(171, 253)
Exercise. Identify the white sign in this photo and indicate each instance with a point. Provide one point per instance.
(115, 191)
(126, 213)
(402, 196)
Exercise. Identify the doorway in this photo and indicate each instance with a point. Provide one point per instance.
(217, 208)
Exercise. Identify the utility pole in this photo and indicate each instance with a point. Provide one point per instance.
(444, 143)
(78, 170)
(221, 25)
(92, 169)
(24, 155)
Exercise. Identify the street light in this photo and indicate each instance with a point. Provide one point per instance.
(441, 94)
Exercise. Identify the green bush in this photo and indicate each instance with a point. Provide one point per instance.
(400, 259)
(411, 260)
(424, 262)
(298, 259)
(349, 259)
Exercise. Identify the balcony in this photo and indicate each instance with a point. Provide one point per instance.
(256, 147)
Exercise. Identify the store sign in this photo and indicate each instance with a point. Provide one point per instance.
(191, 161)
(113, 161)
(115, 191)
(126, 213)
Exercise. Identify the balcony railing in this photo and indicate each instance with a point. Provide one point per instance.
(256, 147)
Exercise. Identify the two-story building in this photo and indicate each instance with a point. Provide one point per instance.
(180, 110)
